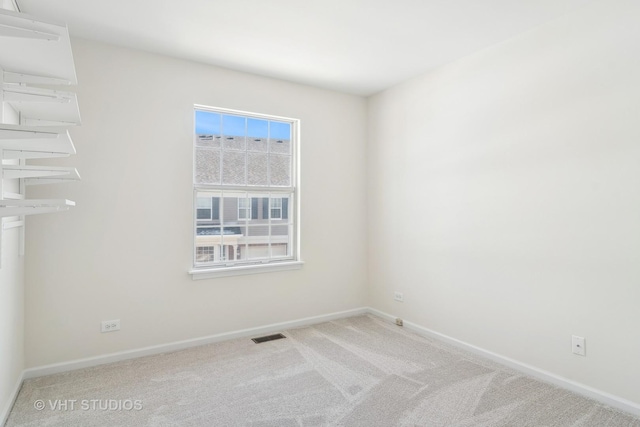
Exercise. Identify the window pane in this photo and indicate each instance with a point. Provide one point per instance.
(281, 240)
(233, 125)
(233, 129)
(208, 140)
(257, 128)
(257, 135)
(258, 230)
(204, 213)
(204, 202)
(209, 230)
(207, 166)
(208, 240)
(276, 208)
(257, 242)
(258, 251)
(280, 231)
(280, 138)
(280, 170)
(229, 230)
(257, 169)
(207, 204)
(233, 143)
(215, 208)
(279, 250)
(207, 123)
(241, 252)
(257, 144)
(285, 208)
(244, 209)
(205, 254)
(233, 168)
(280, 146)
(235, 205)
(254, 207)
(279, 130)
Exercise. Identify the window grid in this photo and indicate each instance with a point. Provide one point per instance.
(245, 238)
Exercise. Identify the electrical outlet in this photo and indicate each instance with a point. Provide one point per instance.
(110, 325)
(578, 345)
(398, 296)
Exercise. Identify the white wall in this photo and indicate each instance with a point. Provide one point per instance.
(11, 317)
(504, 198)
(124, 251)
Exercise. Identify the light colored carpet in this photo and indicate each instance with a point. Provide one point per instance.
(360, 371)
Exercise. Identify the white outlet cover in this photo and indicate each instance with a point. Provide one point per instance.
(398, 296)
(110, 325)
(578, 345)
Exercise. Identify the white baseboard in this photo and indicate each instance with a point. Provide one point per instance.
(180, 345)
(4, 415)
(549, 377)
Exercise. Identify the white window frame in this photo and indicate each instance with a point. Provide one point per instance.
(292, 262)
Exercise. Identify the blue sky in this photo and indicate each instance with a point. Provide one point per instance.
(215, 123)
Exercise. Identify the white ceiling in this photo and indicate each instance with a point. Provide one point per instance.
(355, 46)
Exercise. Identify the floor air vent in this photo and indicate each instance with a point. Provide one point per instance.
(267, 338)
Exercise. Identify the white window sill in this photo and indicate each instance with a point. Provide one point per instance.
(212, 273)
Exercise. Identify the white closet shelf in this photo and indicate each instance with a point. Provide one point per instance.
(22, 142)
(25, 154)
(11, 26)
(12, 196)
(51, 180)
(33, 206)
(12, 224)
(24, 78)
(37, 172)
(36, 52)
(31, 47)
(42, 107)
(18, 132)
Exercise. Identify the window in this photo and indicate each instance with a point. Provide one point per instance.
(208, 208)
(204, 208)
(245, 173)
(276, 208)
(244, 209)
(205, 253)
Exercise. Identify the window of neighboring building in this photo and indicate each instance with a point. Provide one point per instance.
(244, 209)
(207, 209)
(276, 208)
(245, 173)
(204, 208)
(205, 253)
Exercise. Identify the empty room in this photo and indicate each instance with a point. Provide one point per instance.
(320, 213)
